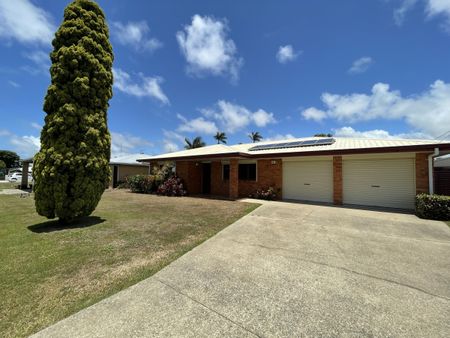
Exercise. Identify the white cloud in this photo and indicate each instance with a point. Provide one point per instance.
(433, 8)
(14, 84)
(36, 126)
(233, 117)
(286, 54)
(427, 112)
(197, 125)
(360, 65)
(279, 137)
(41, 61)
(400, 12)
(135, 34)
(23, 21)
(4, 132)
(207, 48)
(172, 141)
(314, 114)
(145, 87)
(377, 133)
(124, 144)
(25, 146)
(170, 147)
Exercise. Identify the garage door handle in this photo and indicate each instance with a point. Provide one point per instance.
(306, 183)
(375, 186)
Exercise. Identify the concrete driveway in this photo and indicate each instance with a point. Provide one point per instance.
(290, 270)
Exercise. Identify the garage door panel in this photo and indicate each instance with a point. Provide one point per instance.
(385, 183)
(308, 180)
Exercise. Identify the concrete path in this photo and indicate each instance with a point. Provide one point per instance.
(290, 270)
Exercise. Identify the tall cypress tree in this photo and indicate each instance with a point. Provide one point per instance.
(71, 170)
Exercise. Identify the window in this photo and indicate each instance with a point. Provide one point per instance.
(226, 172)
(247, 172)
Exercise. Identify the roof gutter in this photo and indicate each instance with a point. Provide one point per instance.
(431, 170)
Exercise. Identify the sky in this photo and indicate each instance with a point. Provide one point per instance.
(373, 68)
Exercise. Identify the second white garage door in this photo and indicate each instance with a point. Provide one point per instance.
(308, 180)
(381, 182)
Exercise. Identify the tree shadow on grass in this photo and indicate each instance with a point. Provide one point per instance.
(55, 225)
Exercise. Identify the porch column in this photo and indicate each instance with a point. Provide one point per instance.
(24, 183)
(234, 179)
(337, 180)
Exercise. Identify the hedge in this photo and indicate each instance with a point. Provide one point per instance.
(435, 207)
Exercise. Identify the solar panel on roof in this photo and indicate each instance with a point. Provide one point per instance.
(294, 144)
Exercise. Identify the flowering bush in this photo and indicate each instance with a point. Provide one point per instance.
(264, 194)
(173, 186)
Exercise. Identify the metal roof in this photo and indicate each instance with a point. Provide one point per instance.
(130, 159)
(341, 144)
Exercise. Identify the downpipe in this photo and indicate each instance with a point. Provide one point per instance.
(431, 170)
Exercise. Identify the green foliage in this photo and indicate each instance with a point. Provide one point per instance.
(10, 158)
(71, 170)
(196, 143)
(2, 165)
(144, 184)
(323, 135)
(148, 184)
(255, 136)
(433, 207)
(221, 137)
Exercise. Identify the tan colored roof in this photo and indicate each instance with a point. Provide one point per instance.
(340, 144)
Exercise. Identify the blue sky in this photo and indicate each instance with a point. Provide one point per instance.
(375, 68)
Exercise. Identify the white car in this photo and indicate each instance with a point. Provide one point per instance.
(17, 177)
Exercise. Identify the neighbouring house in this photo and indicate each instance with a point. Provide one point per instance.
(127, 165)
(442, 175)
(355, 171)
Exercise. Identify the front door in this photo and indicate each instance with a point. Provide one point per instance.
(206, 178)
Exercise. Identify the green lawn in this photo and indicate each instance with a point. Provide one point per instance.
(8, 185)
(48, 272)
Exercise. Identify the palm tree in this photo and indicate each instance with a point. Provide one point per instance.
(255, 136)
(220, 137)
(196, 143)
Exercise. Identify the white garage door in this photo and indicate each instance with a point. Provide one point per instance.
(308, 180)
(386, 183)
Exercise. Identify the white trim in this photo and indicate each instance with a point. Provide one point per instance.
(431, 170)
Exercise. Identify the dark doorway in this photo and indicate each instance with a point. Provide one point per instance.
(206, 178)
(115, 176)
(442, 181)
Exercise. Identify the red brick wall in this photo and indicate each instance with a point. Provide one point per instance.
(422, 173)
(219, 187)
(234, 187)
(268, 175)
(191, 175)
(337, 180)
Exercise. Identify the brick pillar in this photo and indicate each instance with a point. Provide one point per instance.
(337, 180)
(24, 183)
(422, 173)
(234, 178)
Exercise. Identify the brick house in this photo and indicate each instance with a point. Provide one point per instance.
(372, 172)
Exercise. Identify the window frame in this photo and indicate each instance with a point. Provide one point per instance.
(223, 172)
(248, 172)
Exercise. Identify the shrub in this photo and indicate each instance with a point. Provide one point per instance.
(433, 207)
(143, 184)
(71, 170)
(173, 186)
(264, 194)
(123, 185)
